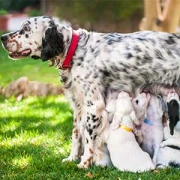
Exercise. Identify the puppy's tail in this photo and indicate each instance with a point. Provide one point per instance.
(174, 164)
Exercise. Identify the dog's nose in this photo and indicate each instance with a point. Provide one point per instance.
(4, 38)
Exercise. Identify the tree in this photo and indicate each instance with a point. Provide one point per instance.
(161, 15)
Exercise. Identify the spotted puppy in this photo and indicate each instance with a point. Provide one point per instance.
(91, 62)
(169, 153)
(125, 153)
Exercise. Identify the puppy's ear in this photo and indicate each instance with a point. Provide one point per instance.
(134, 118)
(116, 122)
(52, 43)
(171, 125)
(148, 96)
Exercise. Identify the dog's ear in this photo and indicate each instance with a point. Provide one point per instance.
(171, 125)
(52, 43)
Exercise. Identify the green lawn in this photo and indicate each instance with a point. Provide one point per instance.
(35, 133)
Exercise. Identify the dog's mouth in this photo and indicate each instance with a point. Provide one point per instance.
(21, 54)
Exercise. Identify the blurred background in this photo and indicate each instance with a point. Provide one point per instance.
(97, 15)
(122, 16)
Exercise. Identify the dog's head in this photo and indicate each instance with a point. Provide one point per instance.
(140, 104)
(141, 101)
(173, 112)
(39, 37)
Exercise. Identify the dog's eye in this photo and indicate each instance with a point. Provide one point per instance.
(137, 101)
(26, 28)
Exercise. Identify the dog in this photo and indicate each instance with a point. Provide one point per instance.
(140, 104)
(169, 153)
(125, 152)
(152, 128)
(92, 62)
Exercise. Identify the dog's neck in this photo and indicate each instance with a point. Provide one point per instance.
(140, 115)
(67, 33)
(125, 122)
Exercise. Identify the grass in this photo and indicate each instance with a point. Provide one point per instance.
(35, 133)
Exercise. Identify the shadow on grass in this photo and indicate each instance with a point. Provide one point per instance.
(39, 121)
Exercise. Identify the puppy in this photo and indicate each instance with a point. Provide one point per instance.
(169, 153)
(152, 128)
(140, 104)
(125, 153)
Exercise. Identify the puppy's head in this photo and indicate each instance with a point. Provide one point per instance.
(38, 37)
(140, 104)
(123, 103)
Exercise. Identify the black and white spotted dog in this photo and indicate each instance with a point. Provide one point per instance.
(92, 62)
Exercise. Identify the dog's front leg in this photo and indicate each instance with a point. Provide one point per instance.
(156, 150)
(92, 116)
(171, 142)
(76, 148)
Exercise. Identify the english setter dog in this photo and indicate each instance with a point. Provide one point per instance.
(93, 62)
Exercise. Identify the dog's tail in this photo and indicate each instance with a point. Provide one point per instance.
(174, 164)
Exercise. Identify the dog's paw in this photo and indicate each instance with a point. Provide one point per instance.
(83, 165)
(137, 133)
(163, 144)
(69, 159)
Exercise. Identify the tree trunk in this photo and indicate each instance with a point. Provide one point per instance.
(156, 20)
(172, 16)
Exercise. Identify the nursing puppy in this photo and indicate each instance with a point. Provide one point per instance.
(152, 128)
(140, 104)
(125, 153)
(169, 153)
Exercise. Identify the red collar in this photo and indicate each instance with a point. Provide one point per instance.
(74, 42)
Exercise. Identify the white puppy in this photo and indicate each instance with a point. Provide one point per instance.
(125, 153)
(169, 153)
(152, 128)
(140, 104)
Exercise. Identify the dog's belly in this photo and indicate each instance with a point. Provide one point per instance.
(125, 69)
